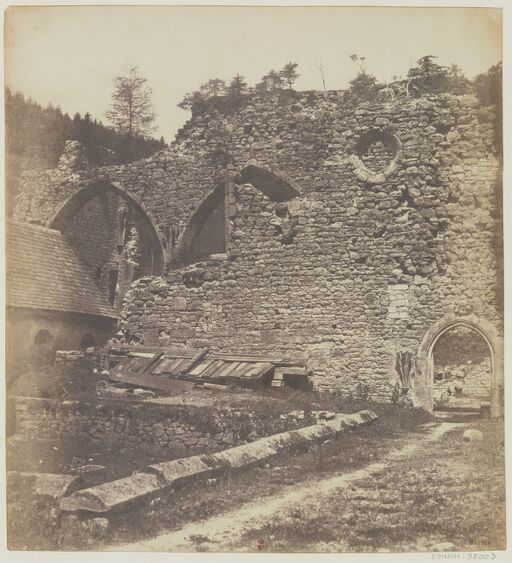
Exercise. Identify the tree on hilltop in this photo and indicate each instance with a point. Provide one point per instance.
(289, 74)
(237, 86)
(270, 82)
(214, 87)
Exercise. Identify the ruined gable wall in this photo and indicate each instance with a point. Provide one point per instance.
(372, 265)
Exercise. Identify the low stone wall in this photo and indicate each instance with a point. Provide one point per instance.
(179, 429)
(127, 492)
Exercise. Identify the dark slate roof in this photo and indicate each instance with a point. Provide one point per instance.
(43, 272)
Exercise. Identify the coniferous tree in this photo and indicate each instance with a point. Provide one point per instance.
(270, 82)
(289, 74)
(237, 87)
(132, 111)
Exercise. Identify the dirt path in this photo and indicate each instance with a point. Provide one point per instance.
(221, 532)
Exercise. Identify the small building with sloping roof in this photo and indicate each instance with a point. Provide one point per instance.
(52, 302)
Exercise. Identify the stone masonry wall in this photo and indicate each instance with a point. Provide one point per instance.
(397, 226)
(180, 430)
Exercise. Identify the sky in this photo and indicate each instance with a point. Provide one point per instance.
(69, 55)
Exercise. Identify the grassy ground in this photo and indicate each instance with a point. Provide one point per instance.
(204, 499)
(450, 494)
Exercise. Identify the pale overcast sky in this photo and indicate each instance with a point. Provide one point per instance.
(69, 55)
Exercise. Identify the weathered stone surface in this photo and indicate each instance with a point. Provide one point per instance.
(472, 435)
(126, 492)
(175, 428)
(179, 471)
(113, 495)
(51, 485)
(428, 221)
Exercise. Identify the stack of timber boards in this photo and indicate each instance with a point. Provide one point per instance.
(179, 369)
(228, 369)
(157, 368)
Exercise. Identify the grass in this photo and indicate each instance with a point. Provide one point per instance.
(33, 528)
(229, 491)
(450, 493)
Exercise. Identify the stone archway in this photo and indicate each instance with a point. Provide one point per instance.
(153, 262)
(422, 388)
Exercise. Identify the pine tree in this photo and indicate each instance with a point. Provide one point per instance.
(270, 82)
(289, 74)
(214, 87)
(237, 86)
(132, 111)
(191, 99)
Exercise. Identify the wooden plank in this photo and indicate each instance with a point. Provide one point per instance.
(182, 367)
(151, 382)
(197, 370)
(260, 369)
(226, 369)
(253, 369)
(167, 366)
(293, 370)
(241, 369)
(171, 351)
(248, 358)
(216, 364)
(201, 354)
(140, 364)
(154, 361)
(141, 354)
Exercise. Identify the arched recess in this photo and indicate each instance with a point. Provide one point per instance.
(152, 253)
(423, 381)
(274, 186)
(196, 223)
(44, 348)
(88, 340)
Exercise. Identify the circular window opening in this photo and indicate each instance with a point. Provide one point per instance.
(376, 155)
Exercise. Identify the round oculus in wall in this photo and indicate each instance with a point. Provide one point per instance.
(376, 155)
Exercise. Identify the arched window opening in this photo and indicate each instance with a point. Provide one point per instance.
(462, 370)
(88, 341)
(101, 217)
(211, 239)
(44, 349)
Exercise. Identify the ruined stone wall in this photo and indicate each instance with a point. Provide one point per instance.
(178, 429)
(396, 227)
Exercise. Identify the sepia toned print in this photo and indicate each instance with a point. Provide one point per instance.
(254, 279)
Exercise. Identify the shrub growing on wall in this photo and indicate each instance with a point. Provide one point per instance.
(427, 77)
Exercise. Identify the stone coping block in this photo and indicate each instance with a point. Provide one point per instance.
(162, 476)
(117, 494)
(179, 471)
(52, 485)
